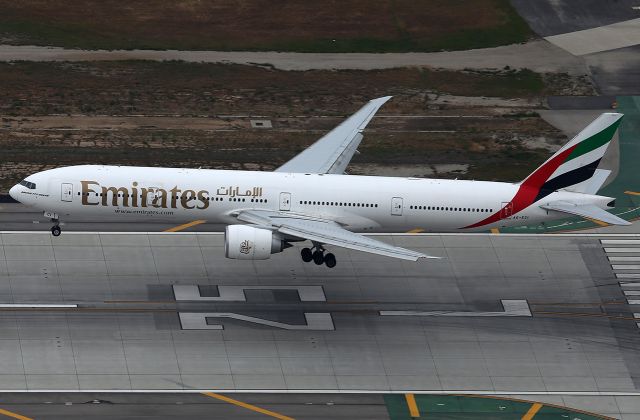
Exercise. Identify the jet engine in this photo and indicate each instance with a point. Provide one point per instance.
(242, 242)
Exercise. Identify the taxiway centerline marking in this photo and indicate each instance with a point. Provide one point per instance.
(416, 230)
(14, 415)
(413, 407)
(185, 226)
(247, 406)
(532, 411)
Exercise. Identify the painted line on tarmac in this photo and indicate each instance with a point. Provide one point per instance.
(185, 226)
(400, 234)
(511, 308)
(416, 230)
(36, 305)
(488, 393)
(14, 415)
(532, 411)
(413, 407)
(247, 406)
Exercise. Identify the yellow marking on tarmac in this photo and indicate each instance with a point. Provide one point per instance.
(14, 415)
(413, 407)
(495, 230)
(247, 406)
(632, 192)
(561, 407)
(186, 225)
(532, 411)
(597, 222)
(416, 230)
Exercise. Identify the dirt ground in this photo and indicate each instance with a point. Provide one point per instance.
(493, 146)
(197, 115)
(190, 89)
(301, 25)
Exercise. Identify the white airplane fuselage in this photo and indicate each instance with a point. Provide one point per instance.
(359, 203)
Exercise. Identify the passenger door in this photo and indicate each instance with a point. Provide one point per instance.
(285, 201)
(396, 206)
(66, 193)
(506, 210)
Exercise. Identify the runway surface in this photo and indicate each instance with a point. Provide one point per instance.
(167, 311)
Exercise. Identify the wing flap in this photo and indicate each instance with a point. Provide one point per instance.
(588, 211)
(327, 232)
(332, 153)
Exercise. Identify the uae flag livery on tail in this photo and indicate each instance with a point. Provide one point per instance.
(573, 164)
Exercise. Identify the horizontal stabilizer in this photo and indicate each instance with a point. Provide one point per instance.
(588, 211)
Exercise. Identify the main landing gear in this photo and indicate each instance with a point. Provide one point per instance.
(317, 255)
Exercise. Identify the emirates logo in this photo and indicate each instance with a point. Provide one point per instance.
(245, 247)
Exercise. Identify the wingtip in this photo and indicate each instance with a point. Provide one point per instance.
(428, 257)
(381, 99)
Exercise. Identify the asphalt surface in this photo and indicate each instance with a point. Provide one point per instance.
(168, 311)
(53, 406)
(63, 406)
(616, 72)
(552, 17)
(500, 313)
(537, 55)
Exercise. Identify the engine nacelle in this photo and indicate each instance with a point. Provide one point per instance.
(242, 242)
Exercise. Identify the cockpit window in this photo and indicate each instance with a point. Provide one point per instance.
(28, 184)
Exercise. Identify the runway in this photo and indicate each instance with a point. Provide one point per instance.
(512, 313)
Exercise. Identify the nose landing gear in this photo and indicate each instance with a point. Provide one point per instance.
(56, 230)
(318, 256)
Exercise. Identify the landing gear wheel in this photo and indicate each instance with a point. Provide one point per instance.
(56, 231)
(318, 257)
(330, 260)
(306, 254)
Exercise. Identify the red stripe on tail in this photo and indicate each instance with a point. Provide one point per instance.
(529, 188)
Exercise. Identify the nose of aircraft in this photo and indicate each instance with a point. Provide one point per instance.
(13, 192)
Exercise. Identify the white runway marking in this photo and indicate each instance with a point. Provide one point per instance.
(36, 305)
(511, 308)
(236, 293)
(198, 321)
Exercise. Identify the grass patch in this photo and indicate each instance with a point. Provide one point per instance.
(302, 26)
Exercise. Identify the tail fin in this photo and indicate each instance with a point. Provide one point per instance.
(577, 161)
(593, 184)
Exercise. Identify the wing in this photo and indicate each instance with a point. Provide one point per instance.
(588, 211)
(333, 152)
(326, 232)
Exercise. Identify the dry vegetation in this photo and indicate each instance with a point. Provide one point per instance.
(57, 114)
(301, 25)
(141, 87)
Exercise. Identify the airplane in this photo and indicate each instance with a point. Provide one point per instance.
(310, 198)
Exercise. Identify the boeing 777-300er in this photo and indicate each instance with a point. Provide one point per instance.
(311, 198)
